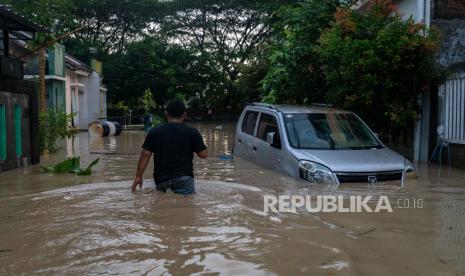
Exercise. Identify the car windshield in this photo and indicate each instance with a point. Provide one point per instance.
(328, 131)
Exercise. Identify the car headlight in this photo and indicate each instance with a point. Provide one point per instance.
(316, 173)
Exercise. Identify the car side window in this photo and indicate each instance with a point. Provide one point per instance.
(248, 124)
(266, 125)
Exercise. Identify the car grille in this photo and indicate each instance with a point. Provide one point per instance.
(364, 177)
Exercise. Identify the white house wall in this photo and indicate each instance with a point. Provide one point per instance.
(420, 10)
(68, 77)
(90, 102)
(408, 8)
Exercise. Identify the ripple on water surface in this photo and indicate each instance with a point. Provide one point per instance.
(54, 225)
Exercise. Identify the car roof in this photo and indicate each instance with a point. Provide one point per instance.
(286, 108)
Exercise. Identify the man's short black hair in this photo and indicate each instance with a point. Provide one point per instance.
(175, 108)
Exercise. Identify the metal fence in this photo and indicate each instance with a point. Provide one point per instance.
(125, 120)
(454, 123)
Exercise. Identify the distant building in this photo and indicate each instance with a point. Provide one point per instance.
(19, 139)
(93, 99)
(77, 73)
(72, 86)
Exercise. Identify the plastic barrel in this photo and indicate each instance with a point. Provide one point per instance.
(105, 128)
(112, 128)
(118, 128)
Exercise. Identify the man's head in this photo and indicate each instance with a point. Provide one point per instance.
(176, 110)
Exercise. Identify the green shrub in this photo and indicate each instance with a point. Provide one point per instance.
(53, 126)
(376, 63)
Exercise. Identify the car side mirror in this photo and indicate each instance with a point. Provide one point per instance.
(273, 139)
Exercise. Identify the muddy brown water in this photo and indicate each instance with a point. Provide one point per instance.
(67, 224)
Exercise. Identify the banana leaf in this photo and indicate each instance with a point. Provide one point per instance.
(68, 166)
(88, 170)
(71, 165)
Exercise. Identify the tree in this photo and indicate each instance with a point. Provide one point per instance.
(113, 24)
(249, 83)
(147, 101)
(228, 32)
(167, 70)
(376, 63)
(294, 74)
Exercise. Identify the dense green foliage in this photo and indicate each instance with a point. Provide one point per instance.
(374, 63)
(148, 64)
(377, 63)
(217, 54)
(294, 75)
(52, 126)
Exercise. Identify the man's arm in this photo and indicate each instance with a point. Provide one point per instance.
(203, 154)
(198, 145)
(144, 160)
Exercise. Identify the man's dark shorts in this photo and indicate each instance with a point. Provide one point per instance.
(181, 185)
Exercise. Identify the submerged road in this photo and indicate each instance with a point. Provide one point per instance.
(74, 225)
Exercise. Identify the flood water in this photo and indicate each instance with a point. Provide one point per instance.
(74, 225)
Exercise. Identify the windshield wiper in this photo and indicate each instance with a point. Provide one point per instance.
(332, 144)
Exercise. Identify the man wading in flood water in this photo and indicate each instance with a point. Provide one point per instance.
(173, 145)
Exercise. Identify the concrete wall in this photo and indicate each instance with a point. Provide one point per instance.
(56, 60)
(56, 95)
(407, 8)
(90, 102)
(103, 103)
(449, 20)
(23, 93)
(457, 156)
(449, 9)
(452, 49)
(69, 74)
(420, 10)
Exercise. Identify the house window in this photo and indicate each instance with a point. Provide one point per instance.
(2, 132)
(454, 92)
(18, 131)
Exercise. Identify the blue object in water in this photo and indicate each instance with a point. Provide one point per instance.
(225, 157)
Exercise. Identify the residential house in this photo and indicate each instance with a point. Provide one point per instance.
(449, 17)
(92, 99)
(77, 74)
(19, 138)
(72, 86)
(442, 117)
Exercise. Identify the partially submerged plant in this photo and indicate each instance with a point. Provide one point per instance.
(71, 165)
(53, 126)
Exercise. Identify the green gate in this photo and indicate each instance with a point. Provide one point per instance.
(2, 132)
(18, 131)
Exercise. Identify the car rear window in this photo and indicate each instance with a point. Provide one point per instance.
(248, 124)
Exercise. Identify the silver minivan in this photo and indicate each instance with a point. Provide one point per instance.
(318, 144)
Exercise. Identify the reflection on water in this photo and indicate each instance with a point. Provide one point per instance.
(66, 224)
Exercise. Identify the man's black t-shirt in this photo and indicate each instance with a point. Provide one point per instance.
(173, 145)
